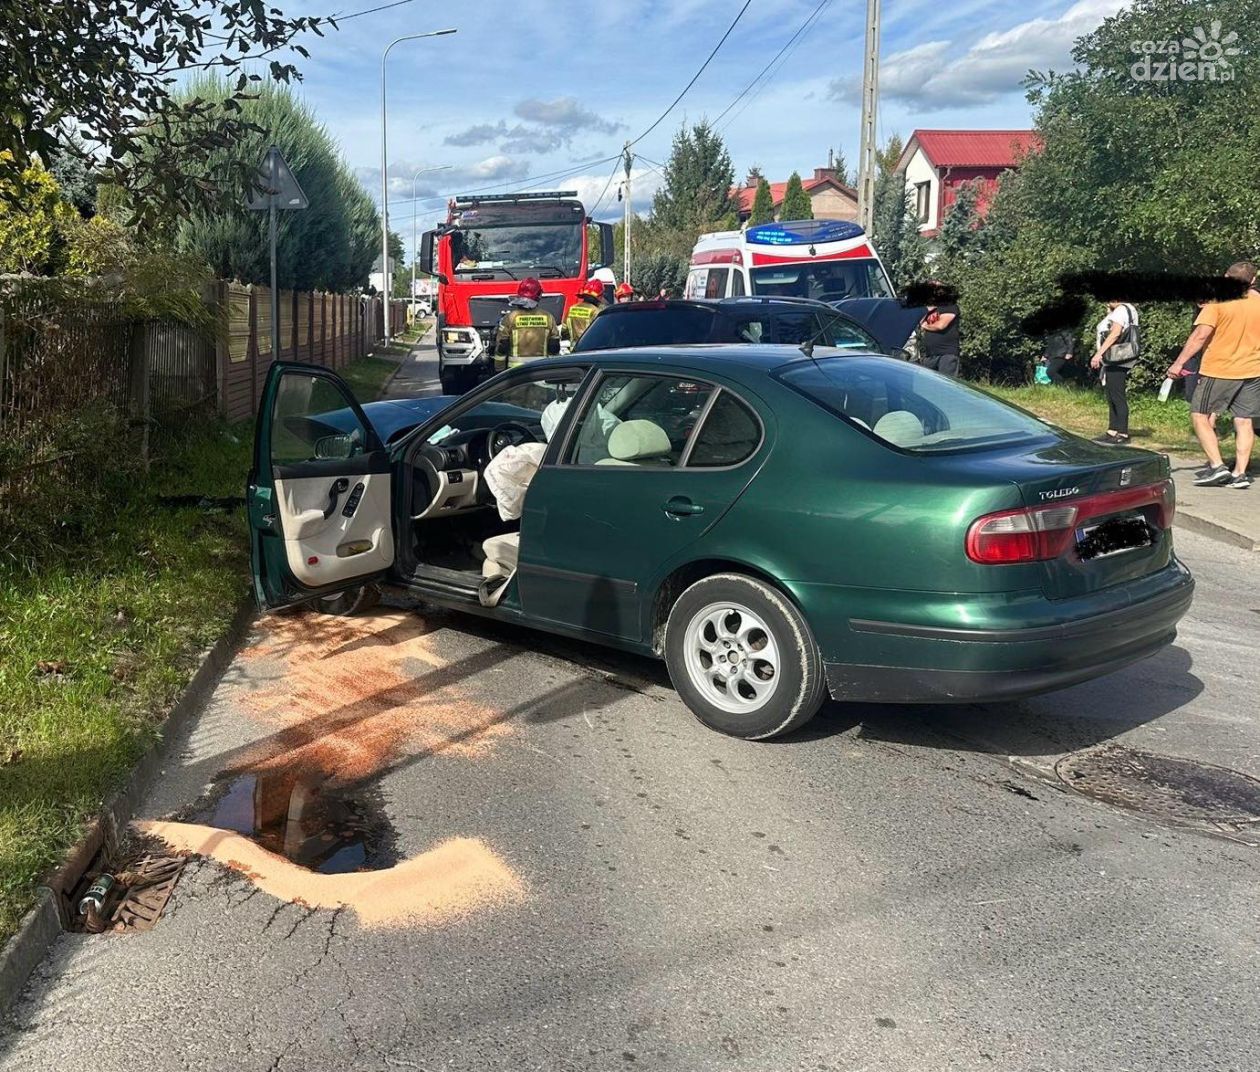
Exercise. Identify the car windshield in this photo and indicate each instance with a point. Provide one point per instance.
(843, 333)
(545, 250)
(822, 280)
(647, 325)
(909, 407)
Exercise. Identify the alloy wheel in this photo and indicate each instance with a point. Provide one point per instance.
(732, 657)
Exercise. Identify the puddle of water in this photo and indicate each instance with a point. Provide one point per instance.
(332, 832)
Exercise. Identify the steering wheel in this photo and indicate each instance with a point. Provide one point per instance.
(509, 434)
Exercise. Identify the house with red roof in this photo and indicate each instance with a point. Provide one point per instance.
(830, 198)
(937, 162)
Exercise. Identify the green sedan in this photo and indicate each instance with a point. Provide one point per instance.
(776, 526)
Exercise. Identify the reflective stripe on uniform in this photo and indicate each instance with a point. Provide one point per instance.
(579, 319)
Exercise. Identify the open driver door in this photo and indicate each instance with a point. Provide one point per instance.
(320, 497)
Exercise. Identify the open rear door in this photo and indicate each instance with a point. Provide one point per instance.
(320, 497)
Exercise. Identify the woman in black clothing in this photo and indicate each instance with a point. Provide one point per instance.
(1115, 357)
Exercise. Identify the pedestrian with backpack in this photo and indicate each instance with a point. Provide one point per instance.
(1118, 350)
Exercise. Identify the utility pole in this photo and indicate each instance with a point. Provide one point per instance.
(629, 212)
(387, 281)
(870, 101)
(411, 304)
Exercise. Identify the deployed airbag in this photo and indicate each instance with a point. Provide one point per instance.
(508, 476)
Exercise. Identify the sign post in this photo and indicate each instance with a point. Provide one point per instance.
(276, 188)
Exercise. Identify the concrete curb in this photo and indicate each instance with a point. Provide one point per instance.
(43, 923)
(1192, 522)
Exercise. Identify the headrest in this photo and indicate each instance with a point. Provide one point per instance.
(900, 427)
(632, 440)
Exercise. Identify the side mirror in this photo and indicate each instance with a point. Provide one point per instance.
(336, 447)
(441, 278)
(607, 247)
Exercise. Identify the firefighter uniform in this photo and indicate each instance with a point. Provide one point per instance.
(526, 334)
(579, 319)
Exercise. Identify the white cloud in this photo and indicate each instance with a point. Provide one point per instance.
(565, 113)
(435, 188)
(936, 75)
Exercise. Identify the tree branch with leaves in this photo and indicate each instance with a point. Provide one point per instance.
(96, 80)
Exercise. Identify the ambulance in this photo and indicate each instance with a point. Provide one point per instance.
(827, 260)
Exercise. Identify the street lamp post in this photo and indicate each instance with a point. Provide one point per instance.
(422, 171)
(386, 281)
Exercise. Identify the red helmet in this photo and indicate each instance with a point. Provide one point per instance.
(592, 288)
(530, 288)
(624, 290)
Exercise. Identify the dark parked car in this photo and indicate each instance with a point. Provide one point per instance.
(775, 526)
(790, 321)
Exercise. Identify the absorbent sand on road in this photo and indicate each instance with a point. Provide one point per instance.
(886, 890)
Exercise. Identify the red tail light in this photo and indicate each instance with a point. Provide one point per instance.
(1040, 533)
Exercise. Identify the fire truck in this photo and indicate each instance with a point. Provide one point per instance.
(479, 256)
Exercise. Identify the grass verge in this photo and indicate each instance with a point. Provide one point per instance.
(1155, 425)
(98, 638)
(367, 376)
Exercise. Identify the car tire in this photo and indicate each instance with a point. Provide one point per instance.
(742, 657)
(351, 601)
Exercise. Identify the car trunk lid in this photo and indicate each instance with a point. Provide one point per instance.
(1121, 525)
(1108, 510)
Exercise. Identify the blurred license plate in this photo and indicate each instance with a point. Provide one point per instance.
(1114, 537)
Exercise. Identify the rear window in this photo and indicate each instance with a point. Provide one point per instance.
(909, 407)
(646, 326)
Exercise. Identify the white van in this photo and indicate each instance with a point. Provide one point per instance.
(827, 260)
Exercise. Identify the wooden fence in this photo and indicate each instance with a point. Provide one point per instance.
(317, 328)
(60, 353)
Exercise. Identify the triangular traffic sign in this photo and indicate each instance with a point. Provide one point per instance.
(276, 185)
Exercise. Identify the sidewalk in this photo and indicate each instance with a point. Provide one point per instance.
(1223, 514)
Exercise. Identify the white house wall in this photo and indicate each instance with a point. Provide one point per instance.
(919, 170)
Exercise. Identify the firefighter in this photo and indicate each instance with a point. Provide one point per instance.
(526, 331)
(585, 309)
(624, 293)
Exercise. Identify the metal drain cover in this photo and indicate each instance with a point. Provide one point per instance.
(150, 883)
(1174, 790)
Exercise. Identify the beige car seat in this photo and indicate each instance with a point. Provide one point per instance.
(502, 553)
(638, 443)
(900, 427)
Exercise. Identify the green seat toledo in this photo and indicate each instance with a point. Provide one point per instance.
(777, 526)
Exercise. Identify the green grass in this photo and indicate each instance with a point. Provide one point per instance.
(367, 376)
(416, 331)
(98, 637)
(1156, 425)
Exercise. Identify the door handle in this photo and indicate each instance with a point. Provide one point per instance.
(339, 485)
(680, 506)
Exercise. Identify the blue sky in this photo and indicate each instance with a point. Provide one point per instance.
(530, 87)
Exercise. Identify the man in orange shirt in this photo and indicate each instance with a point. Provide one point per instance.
(1229, 377)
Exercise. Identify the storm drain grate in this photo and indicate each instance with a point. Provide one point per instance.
(1162, 787)
(149, 884)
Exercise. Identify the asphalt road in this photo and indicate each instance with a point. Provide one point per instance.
(893, 889)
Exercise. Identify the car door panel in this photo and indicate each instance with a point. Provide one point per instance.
(593, 536)
(320, 494)
(323, 543)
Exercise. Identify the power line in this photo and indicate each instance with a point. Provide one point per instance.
(604, 160)
(696, 76)
(799, 30)
(370, 11)
(607, 187)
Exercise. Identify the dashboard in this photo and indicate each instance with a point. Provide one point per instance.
(448, 477)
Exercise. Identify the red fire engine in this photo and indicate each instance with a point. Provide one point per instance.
(479, 256)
